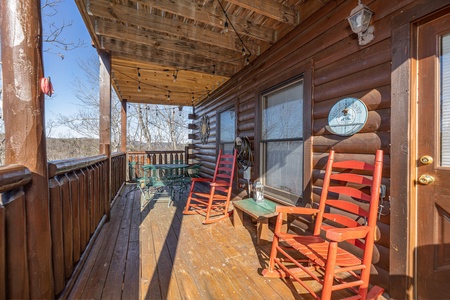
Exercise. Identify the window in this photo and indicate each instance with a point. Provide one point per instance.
(282, 142)
(227, 132)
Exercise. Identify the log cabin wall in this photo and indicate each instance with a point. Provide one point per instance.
(323, 49)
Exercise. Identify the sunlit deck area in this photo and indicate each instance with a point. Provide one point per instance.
(156, 252)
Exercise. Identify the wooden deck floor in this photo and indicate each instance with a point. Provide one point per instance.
(158, 253)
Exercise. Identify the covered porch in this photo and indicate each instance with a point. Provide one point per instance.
(153, 251)
(76, 228)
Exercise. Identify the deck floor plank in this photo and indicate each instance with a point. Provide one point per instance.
(156, 252)
(249, 269)
(206, 263)
(96, 284)
(92, 262)
(132, 268)
(149, 277)
(114, 280)
(168, 282)
(181, 266)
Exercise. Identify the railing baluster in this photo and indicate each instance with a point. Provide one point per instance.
(56, 224)
(2, 253)
(63, 181)
(16, 247)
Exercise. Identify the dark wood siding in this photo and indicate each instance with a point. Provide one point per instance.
(339, 68)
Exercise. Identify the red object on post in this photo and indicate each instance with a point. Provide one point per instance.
(46, 86)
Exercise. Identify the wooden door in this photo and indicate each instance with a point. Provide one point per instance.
(433, 159)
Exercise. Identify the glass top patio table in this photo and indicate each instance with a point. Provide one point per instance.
(166, 175)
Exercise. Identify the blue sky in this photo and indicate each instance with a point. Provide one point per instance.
(64, 71)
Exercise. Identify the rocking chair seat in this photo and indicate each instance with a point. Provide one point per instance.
(316, 249)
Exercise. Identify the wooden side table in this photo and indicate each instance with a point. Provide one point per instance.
(261, 211)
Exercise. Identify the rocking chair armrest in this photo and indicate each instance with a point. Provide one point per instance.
(297, 210)
(201, 179)
(342, 234)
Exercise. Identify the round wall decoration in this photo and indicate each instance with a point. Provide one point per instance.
(347, 116)
(204, 129)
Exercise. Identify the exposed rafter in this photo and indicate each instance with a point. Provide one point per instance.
(185, 37)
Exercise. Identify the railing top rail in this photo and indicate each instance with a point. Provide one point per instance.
(57, 167)
(114, 154)
(13, 176)
(156, 152)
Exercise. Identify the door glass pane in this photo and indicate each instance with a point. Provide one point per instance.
(445, 101)
(227, 126)
(284, 166)
(282, 116)
(228, 148)
(227, 131)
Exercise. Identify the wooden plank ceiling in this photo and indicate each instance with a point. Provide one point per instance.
(177, 52)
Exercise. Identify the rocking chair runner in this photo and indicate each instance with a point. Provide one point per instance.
(215, 203)
(325, 253)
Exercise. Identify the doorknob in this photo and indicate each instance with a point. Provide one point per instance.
(426, 179)
(426, 160)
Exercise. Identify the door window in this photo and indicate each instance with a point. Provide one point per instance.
(445, 100)
(227, 132)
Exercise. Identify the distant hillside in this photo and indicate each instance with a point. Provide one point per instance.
(61, 148)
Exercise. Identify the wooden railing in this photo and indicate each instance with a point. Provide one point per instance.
(138, 158)
(118, 171)
(13, 229)
(79, 199)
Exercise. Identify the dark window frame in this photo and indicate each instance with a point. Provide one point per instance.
(272, 192)
(300, 70)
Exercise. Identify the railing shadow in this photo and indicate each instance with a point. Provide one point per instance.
(159, 284)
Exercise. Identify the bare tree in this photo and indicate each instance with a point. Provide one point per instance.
(85, 121)
(157, 127)
(52, 31)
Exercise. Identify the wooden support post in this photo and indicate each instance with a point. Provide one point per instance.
(23, 111)
(123, 136)
(123, 127)
(105, 121)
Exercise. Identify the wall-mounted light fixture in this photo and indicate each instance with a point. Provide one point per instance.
(359, 20)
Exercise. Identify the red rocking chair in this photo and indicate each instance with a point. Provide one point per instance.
(215, 203)
(344, 202)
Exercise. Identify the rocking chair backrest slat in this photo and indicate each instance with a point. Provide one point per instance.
(349, 207)
(354, 165)
(349, 177)
(341, 220)
(350, 191)
(223, 176)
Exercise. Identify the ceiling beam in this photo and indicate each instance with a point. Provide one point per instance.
(184, 82)
(155, 97)
(180, 61)
(128, 15)
(165, 42)
(213, 16)
(191, 89)
(271, 9)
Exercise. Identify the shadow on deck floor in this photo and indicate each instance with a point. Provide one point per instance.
(156, 252)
